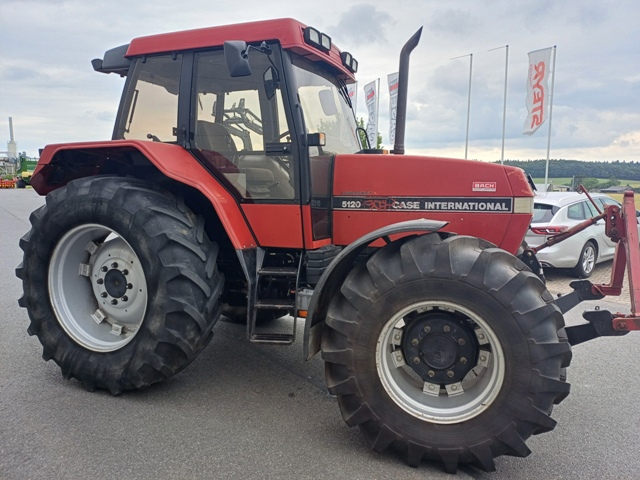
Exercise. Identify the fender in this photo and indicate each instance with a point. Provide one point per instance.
(331, 280)
(172, 160)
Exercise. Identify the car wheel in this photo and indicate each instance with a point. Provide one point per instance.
(586, 261)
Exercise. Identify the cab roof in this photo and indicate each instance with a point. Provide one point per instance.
(287, 31)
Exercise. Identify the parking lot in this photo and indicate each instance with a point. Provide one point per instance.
(558, 282)
(248, 411)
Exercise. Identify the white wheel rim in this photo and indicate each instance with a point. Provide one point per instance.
(480, 387)
(97, 288)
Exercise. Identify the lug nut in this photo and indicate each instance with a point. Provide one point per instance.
(114, 302)
(129, 286)
(104, 269)
(414, 342)
(446, 329)
(427, 329)
(416, 360)
(114, 265)
(463, 360)
(125, 272)
(100, 281)
(461, 341)
(450, 373)
(103, 294)
(125, 298)
(431, 373)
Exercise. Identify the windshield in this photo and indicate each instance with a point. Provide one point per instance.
(326, 107)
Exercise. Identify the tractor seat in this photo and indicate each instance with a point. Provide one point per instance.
(214, 137)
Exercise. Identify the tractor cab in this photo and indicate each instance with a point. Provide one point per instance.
(267, 133)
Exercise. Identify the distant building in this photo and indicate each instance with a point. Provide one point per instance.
(616, 189)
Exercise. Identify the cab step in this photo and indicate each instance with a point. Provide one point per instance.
(264, 275)
(274, 338)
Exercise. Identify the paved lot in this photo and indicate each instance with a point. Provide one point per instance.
(247, 411)
(558, 282)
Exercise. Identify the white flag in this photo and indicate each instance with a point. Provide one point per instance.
(371, 99)
(392, 79)
(352, 90)
(537, 90)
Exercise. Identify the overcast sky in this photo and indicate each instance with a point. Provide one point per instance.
(48, 86)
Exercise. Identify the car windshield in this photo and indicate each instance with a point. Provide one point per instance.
(325, 107)
(543, 212)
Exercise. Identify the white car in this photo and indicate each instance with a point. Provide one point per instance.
(555, 212)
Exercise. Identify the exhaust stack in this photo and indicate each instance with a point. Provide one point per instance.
(403, 85)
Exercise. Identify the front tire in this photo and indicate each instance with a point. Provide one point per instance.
(120, 282)
(446, 350)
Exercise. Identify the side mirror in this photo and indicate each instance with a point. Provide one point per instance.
(270, 82)
(235, 53)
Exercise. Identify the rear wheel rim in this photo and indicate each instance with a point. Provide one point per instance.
(97, 288)
(448, 402)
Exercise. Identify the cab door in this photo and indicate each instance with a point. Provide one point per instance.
(241, 133)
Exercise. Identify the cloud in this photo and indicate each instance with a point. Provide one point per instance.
(452, 22)
(362, 24)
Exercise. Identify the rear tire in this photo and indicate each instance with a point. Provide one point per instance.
(120, 282)
(433, 302)
(587, 261)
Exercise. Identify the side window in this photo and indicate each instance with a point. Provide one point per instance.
(240, 127)
(592, 212)
(576, 211)
(609, 201)
(153, 101)
(603, 202)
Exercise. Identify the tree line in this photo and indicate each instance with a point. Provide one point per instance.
(577, 168)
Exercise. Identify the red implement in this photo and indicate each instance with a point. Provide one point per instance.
(622, 227)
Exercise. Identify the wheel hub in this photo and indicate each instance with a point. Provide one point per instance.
(115, 283)
(440, 348)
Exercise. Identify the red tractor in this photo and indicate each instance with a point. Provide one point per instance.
(235, 184)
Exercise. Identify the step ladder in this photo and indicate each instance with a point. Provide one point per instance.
(256, 304)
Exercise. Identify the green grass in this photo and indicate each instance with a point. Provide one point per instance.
(567, 181)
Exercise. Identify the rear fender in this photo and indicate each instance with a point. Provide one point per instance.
(59, 164)
(333, 277)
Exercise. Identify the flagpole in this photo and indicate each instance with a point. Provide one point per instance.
(377, 111)
(466, 143)
(553, 78)
(504, 104)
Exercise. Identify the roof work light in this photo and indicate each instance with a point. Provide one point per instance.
(349, 62)
(321, 41)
